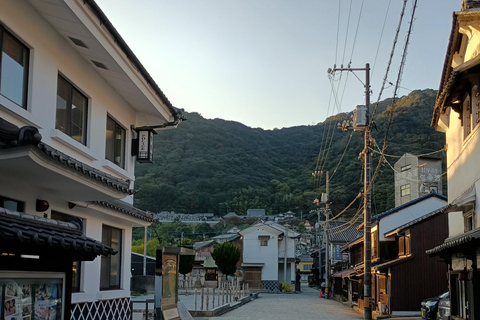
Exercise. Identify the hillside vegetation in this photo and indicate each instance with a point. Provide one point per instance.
(220, 166)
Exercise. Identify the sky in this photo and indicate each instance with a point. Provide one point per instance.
(264, 63)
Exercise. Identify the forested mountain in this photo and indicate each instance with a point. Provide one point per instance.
(220, 166)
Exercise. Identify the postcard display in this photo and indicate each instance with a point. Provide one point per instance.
(31, 298)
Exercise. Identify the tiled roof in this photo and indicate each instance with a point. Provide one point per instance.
(466, 240)
(408, 204)
(21, 229)
(228, 236)
(471, 4)
(125, 208)
(109, 180)
(201, 244)
(352, 243)
(343, 231)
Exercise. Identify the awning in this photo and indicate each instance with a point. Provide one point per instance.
(22, 233)
(465, 243)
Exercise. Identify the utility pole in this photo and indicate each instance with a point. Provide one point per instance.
(320, 275)
(327, 240)
(367, 206)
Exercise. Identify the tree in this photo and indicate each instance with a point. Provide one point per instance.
(301, 227)
(226, 256)
(186, 261)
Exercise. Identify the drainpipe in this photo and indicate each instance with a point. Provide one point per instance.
(285, 257)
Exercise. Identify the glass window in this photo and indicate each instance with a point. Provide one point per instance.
(110, 272)
(11, 204)
(115, 144)
(405, 190)
(307, 267)
(71, 117)
(13, 68)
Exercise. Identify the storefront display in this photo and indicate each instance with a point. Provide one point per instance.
(35, 298)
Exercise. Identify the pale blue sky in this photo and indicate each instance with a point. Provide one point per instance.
(264, 62)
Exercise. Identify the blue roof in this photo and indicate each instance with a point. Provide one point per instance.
(411, 203)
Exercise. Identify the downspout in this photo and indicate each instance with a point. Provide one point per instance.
(285, 258)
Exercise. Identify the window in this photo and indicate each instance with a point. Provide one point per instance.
(115, 144)
(13, 68)
(263, 240)
(307, 267)
(110, 272)
(468, 220)
(77, 265)
(404, 244)
(470, 111)
(11, 204)
(405, 190)
(405, 168)
(71, 116)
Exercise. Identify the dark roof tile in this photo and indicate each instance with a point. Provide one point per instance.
(23, 229)
(125, 208)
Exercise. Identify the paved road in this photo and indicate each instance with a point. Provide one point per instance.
(305, 306)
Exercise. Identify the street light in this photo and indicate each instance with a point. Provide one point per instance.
(367, 206)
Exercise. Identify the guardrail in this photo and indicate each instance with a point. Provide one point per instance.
(146, 314)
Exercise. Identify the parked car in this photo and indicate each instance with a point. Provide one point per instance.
(429, 306)
(443, 309)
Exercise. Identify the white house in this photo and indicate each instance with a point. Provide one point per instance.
(457, 114)
(72, 99)
(268, 255)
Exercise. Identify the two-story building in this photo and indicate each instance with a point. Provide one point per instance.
(72, 99)
(457, 114)
(268, 255)
(402, 274)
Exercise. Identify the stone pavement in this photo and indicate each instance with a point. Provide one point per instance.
(282, 306)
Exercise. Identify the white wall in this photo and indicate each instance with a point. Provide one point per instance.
(50, 55)
(399, 218)
(254, 253)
